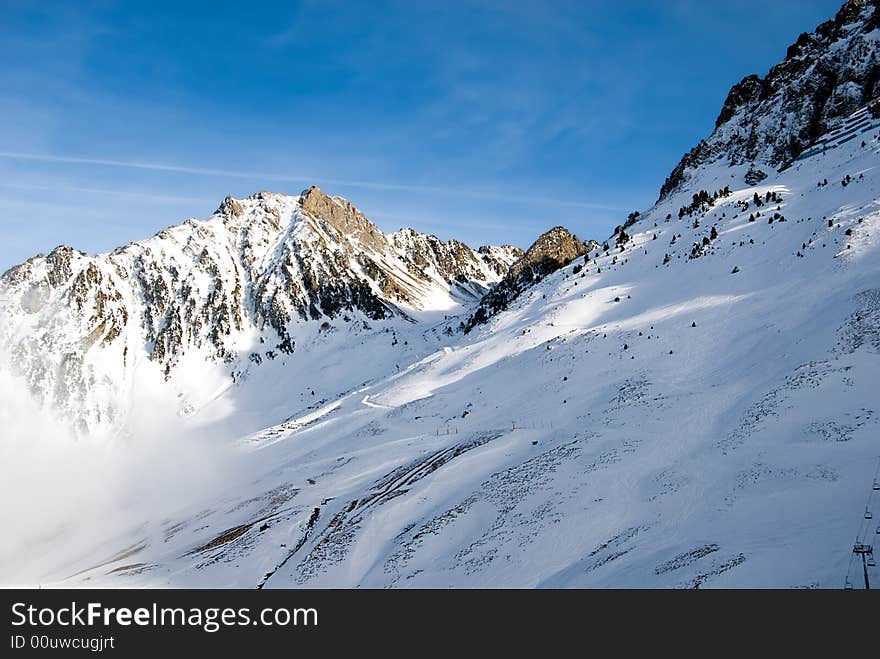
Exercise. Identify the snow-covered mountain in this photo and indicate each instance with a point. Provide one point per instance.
(691, 403)
(768, 122)
(236, 288)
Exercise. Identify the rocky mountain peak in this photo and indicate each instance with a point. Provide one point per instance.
(258, 269)
(500, 257)
(558, 246)
(747, 90)
(230, 207)
(552, 250)
(825, 76)
(342, 215)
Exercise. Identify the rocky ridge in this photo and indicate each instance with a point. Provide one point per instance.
(767, 122)
(248, 275)
(552, 250)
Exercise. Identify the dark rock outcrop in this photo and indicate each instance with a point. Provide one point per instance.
(553, 250)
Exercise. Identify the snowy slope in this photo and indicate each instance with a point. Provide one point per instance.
(634, 424)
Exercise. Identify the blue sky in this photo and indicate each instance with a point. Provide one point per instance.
(485, 121)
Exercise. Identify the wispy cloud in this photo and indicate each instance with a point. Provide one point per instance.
(269, 176)
(125, 194)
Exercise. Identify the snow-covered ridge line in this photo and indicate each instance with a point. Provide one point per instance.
(236, 288)
(768, 122)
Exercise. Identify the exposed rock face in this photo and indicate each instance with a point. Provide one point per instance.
(453, 261)
(754, 176)
(259, 266)
(551, 251)
(342, 216)
(230, 207)
(499, 258)
(826, 75)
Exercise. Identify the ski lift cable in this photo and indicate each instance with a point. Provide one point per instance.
(849, 567)
(865, 526)
(877, 471)
(865, 530)
(848, 571)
